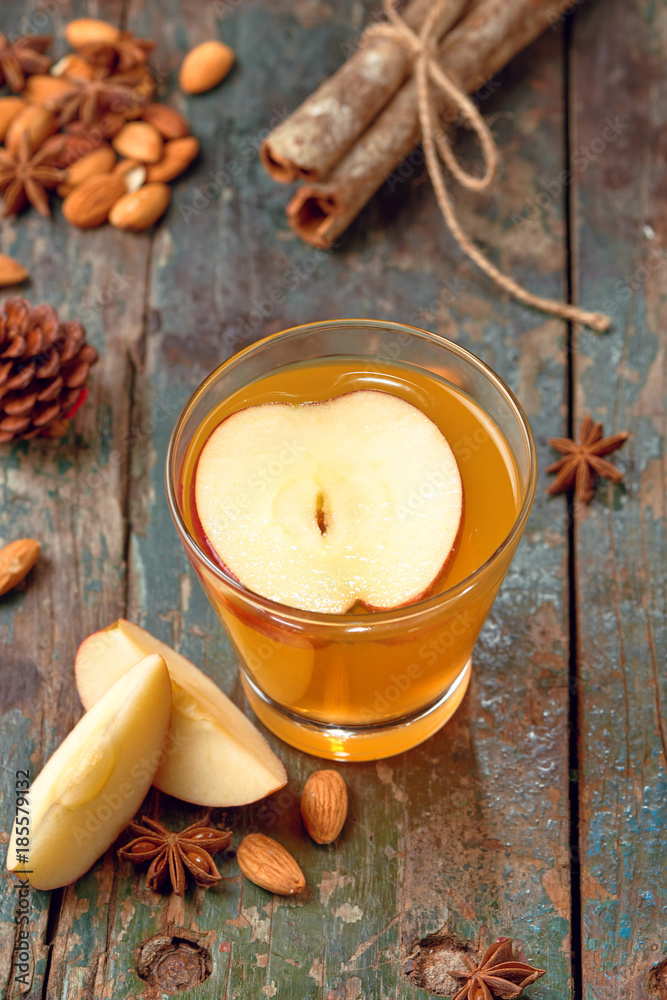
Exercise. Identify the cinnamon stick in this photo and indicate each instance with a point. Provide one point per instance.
(478, 47)
(308, 144)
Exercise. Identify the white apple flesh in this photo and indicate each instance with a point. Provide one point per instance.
(215, 756)
(322, 505)
(91, 787)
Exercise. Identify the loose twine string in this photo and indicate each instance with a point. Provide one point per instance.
(428, 73)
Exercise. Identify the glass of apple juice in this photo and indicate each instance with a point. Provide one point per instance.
(351, 524)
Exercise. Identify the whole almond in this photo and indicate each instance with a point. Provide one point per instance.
(266, 863)
(132, 172)
(65, 149)
(16, 561)
(82, 30)
(9, 108)
(138, 210)
(169, 123)
(11, 272)
(205, 66)
(72, 65)
(89, 204)
(178, 154)
(139, 141)
(324, 806)
(99, 161)
(36, 121)
(42, 88)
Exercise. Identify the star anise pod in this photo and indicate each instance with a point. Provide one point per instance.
(87, 100)
(22, 58)
(498, 975)
(171, 855)
(118, 55)
(25, 178)
(583, 460)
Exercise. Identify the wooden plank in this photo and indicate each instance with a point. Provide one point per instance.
(619, 91)
(470, 831)
(69, 495)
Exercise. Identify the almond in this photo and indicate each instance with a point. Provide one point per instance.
(73, 65)
(169, 123)
(205, 66)
(16, 560)
(138, 210)
(11, 272)
(66, 149)
(82, 30)
(99, 161)
(36, 121)
(9, 108)
(132, 172)
(89, 204)
(324, 806)
(266, 863)
(178, 154)
(42, 88)
(139, 141)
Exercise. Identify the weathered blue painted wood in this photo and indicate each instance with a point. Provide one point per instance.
(619, 86)
(489, 851)
(467, 834)
(69, 495)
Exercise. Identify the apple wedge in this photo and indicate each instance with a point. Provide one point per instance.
(93, 784)
(322, 505)
(214, 754)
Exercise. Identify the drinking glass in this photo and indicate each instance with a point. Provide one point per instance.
(356, 686)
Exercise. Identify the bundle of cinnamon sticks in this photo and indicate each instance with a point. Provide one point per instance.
(360, 124)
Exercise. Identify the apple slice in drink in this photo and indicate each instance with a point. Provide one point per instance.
(214, 755)
(322, 505)
(91, 787)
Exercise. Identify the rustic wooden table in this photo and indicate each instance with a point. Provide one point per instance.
(539, 811)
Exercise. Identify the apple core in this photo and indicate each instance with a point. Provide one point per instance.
(365, 509)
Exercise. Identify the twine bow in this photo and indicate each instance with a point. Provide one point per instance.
(429, 76)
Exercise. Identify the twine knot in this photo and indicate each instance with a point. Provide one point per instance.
(429, 78)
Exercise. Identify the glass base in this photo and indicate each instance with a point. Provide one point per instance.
(364, 743)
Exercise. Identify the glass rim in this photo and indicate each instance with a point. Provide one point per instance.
(408, 611)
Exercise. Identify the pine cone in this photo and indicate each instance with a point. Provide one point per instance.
(44, 366)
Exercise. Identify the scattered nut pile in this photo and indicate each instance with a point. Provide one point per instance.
(323, 810)
(89, 128)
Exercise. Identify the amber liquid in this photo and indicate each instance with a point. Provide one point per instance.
(358, 669)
